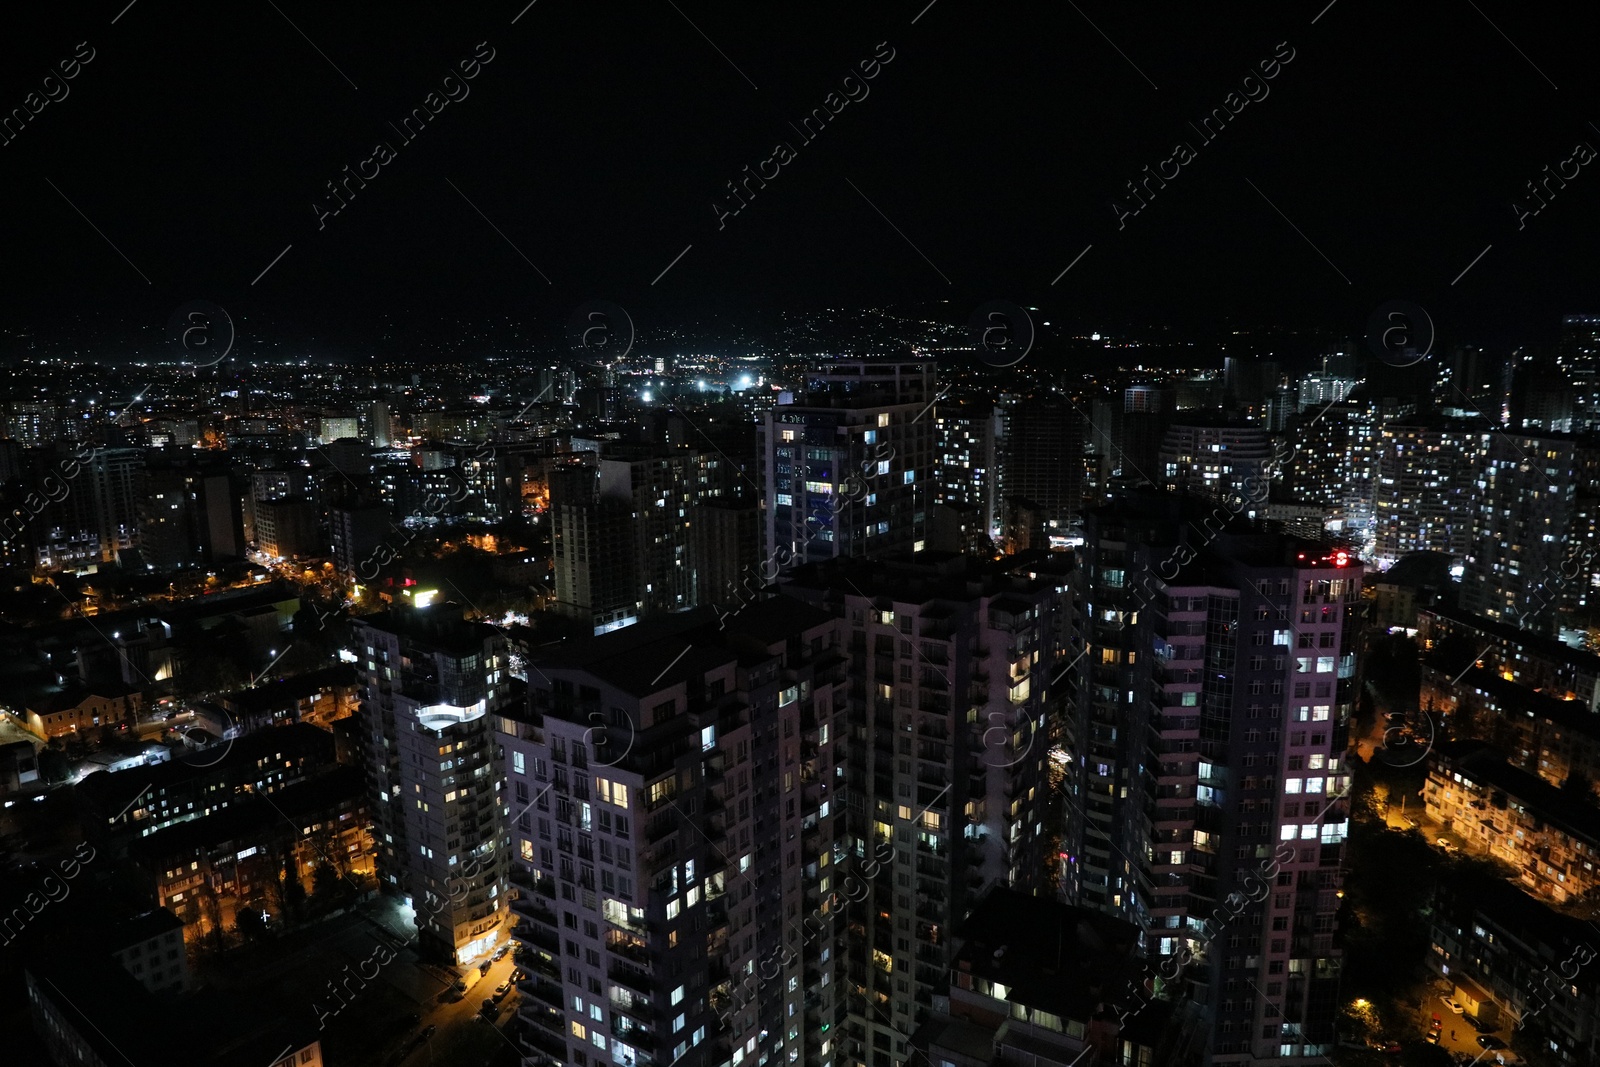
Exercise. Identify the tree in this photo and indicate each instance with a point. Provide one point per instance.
(1361, 1020)
(327, 888)
(1578, 786)
(211, 909)
(53, 766)
(247, 921)
(294, 892)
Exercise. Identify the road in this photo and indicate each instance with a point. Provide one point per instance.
(462, 1037)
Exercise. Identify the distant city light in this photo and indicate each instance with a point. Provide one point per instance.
(645, 396)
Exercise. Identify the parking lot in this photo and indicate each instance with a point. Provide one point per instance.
(1458, 1034)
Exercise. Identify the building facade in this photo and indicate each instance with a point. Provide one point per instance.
(431, 686)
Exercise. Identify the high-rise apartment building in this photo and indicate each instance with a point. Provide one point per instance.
(433, 686)
(1542, 398)
(1112, 674)
(625, 541)
(848, 462)
(955, 664)
(115, 478)
(967, 466)
(1043, 458)
(592, 542)
(1424, 494)
(1578, 355)
(1526, 505)
(678, 819)
(751, 841)
(1216, 460)
(1212, 737)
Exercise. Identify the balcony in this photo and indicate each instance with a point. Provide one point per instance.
(660, 826)
(631, 950)
(552, 1020)
(536, 1039)
(548, 992)
(637, 979)
(638, 1007)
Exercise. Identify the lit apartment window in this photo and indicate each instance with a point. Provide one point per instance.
(612, 792)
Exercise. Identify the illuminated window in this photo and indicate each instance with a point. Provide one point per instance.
(612, 792)
(580, 1032)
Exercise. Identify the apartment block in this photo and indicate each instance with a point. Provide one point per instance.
(1216, 460)
(679, 846)
(1209, 741)
(956, 666)
(849, 462)
(1525, 509)
(1425, 488)
(1549, 837)
(432, 686)
(1037, 982)
(1507, 956)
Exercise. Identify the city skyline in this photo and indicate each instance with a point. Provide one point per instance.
(679, 534)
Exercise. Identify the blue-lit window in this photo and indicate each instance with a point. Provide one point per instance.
(911, 476)
(786, 499)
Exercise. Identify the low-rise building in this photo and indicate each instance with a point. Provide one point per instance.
(1522, 656)
(1038, 983)
(150, 947)
(1551, 837)
(236, 855)
(81, 708)
(137, 803)
(1509, 957)
(1537, 732)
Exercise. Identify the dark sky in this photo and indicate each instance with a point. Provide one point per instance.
(200, 136)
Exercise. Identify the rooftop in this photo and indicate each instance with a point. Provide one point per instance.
(1053, 956)
(1487, 766)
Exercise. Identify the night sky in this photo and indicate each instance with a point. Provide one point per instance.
(199, 137)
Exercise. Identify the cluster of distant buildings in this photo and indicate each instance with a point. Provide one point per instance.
(946, 787)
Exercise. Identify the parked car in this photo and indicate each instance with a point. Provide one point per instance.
(1433, 1037)
(519, 975)
(1413, 823)
(500, 953)
(491, 1010)
(501, 990)
(429, 1031)
(1451, 1004)
(1444, 843)
(1490, 1042)
(483, 968)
